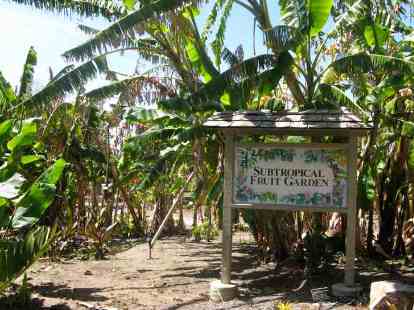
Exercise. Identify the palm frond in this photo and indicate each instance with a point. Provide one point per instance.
(336, 97)
(283, 37)
(133, 84)
(155, 172)
(18, 254)
(7, 95)
(248, 69)
(127, 25)
(256, 73)
(204, 57)
(319, 12)
(212, 17)
(146, 48)
(87, 29)
(26, 79)
(61, 73)
(69, 82)
(357, 63)
(143, 115)
(308, 16)
(294, 13)
(364, 63)
(350, 17)
(239, 52)
(83, 8)
(390, 63)
(176, 105)
(218, 43)
(229, 57)
(260, 85)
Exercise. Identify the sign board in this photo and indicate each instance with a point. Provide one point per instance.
(290, 175)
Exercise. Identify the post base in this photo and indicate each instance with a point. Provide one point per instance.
(222, 292)
(343, 290)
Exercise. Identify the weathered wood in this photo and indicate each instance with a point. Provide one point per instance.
(310, 123)
(227, 209)
(352, 212)
(263, 206)
(341, 146)
(289, 121)
(215, 124)
(310, 132)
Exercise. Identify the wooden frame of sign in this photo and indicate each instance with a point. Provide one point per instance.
(315, 123)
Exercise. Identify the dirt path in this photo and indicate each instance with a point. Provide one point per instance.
(177, 277)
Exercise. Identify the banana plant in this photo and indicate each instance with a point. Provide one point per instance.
(306, 37)
(25, 195)
(108, 9)
(27, 190)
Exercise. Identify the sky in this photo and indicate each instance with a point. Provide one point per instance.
(49, 34)
(52, 34)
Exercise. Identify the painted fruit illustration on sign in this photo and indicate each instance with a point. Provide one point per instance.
(290, 175)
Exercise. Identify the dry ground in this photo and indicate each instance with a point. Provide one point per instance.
(177, 277)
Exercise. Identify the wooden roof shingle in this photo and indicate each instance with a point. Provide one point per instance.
(339, 121)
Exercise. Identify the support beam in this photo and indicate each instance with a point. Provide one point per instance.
(352, 212)
(227, 209)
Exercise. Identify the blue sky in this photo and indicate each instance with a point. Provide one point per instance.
(52, 34)
(49, 34)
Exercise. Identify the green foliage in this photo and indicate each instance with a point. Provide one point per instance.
(7, 95)
(376, 35)
(101, 93)
(20, 252)
(319, 11)
(364, 63)
(27, 76)
(90, 8)
(26, 137)
(307, 15)
(69, 82)
(109, 37)
(204, 231)
(98, 230)
(218, 42)
(211, 19)
(129, 4)
(24, 197)
(366, 188)
(24, 293)
(316, 253)
(38, 197)
(283, 37)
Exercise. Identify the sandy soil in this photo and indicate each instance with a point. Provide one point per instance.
(177, 277)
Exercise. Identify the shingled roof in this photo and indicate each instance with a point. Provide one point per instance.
(340, 120)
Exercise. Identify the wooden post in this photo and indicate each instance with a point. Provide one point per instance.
(352, 212)
(227, 208)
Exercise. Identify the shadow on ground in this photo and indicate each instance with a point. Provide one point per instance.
(264, 283)
(178, 276)
(63, 291)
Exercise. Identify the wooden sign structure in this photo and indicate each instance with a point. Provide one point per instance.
(291, 177)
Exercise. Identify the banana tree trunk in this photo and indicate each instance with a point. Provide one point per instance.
(122, 187)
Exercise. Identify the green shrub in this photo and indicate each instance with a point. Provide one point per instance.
(204, 231)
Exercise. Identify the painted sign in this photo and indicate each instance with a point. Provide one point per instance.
(290, 175)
